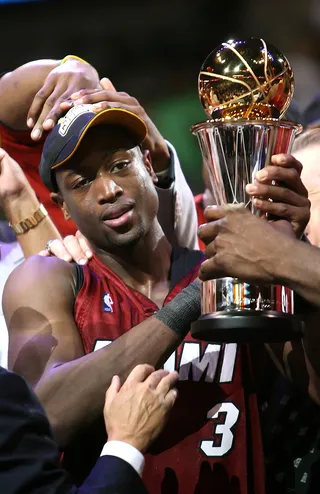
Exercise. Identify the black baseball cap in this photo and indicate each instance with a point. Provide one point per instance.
(66, 136)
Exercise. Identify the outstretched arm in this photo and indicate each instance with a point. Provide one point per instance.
(46, 348)
(31, 94)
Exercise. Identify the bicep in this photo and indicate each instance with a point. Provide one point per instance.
(42, 330)
(18, 88)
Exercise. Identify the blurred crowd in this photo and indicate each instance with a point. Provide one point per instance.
(104, 389)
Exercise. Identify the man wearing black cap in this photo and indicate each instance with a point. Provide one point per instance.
(71, 327)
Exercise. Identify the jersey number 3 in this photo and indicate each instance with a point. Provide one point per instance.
(225, 417)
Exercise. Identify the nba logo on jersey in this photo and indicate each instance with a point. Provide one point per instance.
(107, 303)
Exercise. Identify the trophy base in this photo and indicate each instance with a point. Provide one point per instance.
(248, 326)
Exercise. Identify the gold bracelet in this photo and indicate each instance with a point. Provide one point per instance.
(72, 57)
(30, 222)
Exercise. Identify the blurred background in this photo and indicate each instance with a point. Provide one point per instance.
(153, 50)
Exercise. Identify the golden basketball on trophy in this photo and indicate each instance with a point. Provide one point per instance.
(245, 87)
(247, 80)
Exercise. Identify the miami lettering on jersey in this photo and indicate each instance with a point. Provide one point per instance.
(216, 364)
(216, 359)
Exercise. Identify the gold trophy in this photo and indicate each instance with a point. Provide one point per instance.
(245, 87)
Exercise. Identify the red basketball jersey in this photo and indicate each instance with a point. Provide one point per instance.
(212, 442)
(27, 153)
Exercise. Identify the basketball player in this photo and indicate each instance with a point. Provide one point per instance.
(71, 328)
(36, 94)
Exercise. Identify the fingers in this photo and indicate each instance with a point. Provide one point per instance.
(107, 97)
(103, 105)
(209, 270)
(49, 114)
(213, 213)
(37, 106)
(284, 211)
(51, 111)
(167, 382)
(208, 231)
(84, 245)
(276, 193)
(58, 249)
(288, 176)
(75, 249)
(107, 84)
(44, 253)
(83, 92)
(70, 249)
(66, 105)
(154, 379)
(286, 161)
(139, 374)
(113, 390)
(171, 398)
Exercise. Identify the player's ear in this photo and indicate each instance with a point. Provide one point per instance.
(148, 164)
(57, 198)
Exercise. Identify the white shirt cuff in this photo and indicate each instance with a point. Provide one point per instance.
(126, 452)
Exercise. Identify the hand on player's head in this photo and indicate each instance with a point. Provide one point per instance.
(137, 412)
(71, 248)
(108, 97)
(279, 191)
(60, 83)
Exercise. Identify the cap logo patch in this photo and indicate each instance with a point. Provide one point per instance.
(75, 112)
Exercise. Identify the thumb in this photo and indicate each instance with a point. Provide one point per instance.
(112, 391)
(107, 84)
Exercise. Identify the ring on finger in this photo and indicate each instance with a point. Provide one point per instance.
(48, 247)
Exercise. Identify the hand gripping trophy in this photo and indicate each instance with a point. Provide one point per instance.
(245, 88)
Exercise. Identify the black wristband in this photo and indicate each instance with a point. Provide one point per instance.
(184, 309)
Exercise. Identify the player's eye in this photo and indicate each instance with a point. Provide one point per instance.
(121, 165)
(83, 182)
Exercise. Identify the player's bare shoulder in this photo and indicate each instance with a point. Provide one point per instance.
(39, 281)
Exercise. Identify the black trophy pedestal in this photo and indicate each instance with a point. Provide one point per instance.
(247, 326)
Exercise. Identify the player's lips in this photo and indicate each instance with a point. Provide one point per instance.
(118, 215)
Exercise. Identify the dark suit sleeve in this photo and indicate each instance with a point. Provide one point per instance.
(111, 475)
(29, 457)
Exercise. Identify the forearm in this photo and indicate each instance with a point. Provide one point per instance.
(18, 88)
(299, 269)
(73, 393)
(19, 209)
